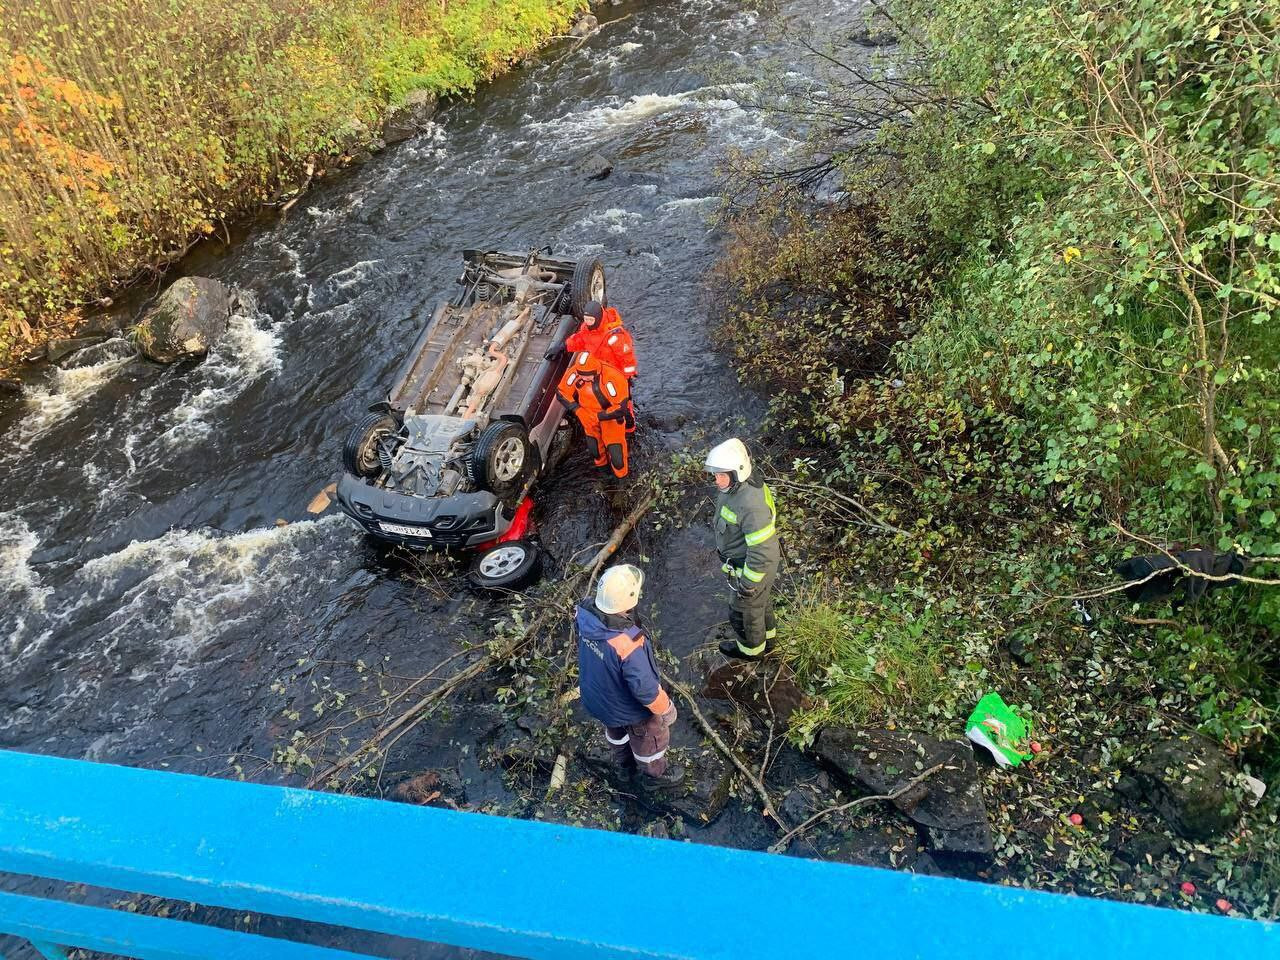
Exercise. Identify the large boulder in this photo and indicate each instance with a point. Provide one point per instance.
(185, 321)
(1189, 783)
(409, 117)
(947, 807)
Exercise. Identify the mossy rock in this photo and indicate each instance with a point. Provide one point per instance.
(185, 321)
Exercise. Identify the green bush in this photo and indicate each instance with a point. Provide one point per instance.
(128, 128)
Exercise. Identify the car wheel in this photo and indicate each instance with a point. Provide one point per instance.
(506, 566)
(587, 284)
(360, 452)
(501, 459)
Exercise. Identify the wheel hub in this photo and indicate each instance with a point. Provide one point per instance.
(508, 460)
(502, 561)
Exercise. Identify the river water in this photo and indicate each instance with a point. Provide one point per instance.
(150, 595)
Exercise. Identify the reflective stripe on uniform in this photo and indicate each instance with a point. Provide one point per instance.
(727, 514)
(657, 756)
(626, 738)
(751, 651)
(761, 535)
(582, 357)
(612, 391)
(751, 574)
(771, 633)
(613, 340)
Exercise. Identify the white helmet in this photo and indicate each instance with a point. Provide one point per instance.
(619, 588)
(730, 457)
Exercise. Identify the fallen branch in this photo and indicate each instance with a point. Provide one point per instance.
(311, 171)
(421, 708)
(686, 694)
(782, 844)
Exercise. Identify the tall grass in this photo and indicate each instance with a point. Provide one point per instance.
(130, 127)
(868, 659)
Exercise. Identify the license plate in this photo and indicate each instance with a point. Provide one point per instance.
(405, 531)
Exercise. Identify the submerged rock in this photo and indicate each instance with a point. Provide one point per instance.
(410, 117)
(61, 349)
(11, 386)
(185, 321)
(1188, 783)
(947, 807)
(595, 167)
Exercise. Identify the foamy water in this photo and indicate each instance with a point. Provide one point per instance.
(247, 351)
(47, 405)
(23, 594)
(188, 586)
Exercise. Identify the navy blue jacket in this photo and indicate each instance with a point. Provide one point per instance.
(617, 673)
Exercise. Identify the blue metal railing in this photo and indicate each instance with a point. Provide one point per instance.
(510, 886)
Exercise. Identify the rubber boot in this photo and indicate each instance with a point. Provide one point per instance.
(731, 649)
(671, 780)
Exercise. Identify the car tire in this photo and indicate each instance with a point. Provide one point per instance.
(360, 452)
(588, 284)
(501, 459)
(506, 566)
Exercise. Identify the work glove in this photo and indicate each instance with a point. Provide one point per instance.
(669, 718)
(553, 351)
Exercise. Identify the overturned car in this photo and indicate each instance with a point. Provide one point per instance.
(472, 419)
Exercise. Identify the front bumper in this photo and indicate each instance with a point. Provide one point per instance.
(456, 522)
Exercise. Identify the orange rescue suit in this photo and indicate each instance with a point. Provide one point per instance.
(608, 342)
(599, 395)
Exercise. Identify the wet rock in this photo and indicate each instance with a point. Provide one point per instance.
(13, 387)
(657, 829)
(874, 847)
(185, 321)
(798, 805)
(1142, 848)
(61, 349)
(1188, 783)
(947, 808)
(701, 798)
(410, 117)
(767, 689)
(877, 32)
(435, 788)
(595, 167)
(925, 864)
(516, 750)
(584, 26)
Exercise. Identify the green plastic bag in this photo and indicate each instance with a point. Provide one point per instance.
(996, 725)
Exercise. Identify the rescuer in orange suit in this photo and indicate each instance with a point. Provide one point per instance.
(602, 335)
(599, 395)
